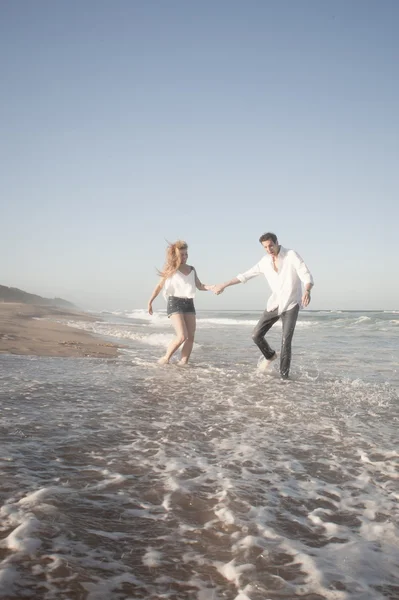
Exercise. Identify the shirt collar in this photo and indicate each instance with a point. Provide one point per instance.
(281, 254)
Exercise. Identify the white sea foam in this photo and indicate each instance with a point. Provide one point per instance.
(22, 539)
(228, 321)
(157, 318)
(123, 333)
(152, 558)
(362, 319)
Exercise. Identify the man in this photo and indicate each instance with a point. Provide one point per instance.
(285, 272)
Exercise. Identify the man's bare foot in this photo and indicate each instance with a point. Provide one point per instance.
(264, 363)
(272, 358)
(163, 361)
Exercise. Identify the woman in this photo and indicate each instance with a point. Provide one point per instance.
(180, 282)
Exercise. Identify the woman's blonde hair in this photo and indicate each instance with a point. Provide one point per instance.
(173, 258)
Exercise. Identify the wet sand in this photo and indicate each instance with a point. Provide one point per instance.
(35, 330)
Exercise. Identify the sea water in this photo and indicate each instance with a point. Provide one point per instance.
(123, 479)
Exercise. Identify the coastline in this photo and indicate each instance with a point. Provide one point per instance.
(32, 329)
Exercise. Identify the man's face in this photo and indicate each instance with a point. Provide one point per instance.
(270, 247)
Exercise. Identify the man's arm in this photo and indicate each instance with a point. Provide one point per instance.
(218, 289)
(241, 278)
(306, 294)
(305, 276)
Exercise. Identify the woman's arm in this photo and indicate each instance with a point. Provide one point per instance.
(201, 286)
(155, 293)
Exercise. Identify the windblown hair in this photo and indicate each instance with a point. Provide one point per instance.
(268, 236)
(173, 260)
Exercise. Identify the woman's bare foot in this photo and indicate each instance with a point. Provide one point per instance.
(163, 361)
(182, 363)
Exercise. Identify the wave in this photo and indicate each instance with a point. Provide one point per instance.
(139, 318)
(158, 318)
(204, 323)
(362, 319)
(123, 332)
(226, 321)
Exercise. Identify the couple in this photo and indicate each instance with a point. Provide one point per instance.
(285, 272)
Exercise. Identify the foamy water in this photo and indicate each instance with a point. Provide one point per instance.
(121, 479)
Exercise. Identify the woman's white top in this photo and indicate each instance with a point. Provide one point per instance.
(180, 285)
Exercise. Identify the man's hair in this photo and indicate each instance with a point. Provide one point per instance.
(268, 236)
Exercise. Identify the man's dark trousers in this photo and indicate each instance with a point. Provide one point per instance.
(266, 321)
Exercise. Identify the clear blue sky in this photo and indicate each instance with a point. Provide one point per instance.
(126, 123)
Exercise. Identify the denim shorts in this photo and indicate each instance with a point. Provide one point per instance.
(180, 306)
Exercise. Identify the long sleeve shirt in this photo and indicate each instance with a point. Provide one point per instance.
(286, 283)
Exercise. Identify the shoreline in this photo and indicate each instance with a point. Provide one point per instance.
(33, 329)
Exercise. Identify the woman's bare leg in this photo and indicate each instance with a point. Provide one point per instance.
(179, 325)
(190, 322)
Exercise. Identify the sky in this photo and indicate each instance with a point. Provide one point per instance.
(127, 124)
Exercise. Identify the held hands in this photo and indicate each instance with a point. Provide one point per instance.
(218, 289)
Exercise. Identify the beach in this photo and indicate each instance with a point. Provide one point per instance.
(28, 329)
(125, 479)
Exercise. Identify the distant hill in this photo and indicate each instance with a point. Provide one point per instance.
(10, 294)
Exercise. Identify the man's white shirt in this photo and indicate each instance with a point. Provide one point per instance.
(286, 284)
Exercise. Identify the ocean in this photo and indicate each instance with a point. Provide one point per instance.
(122, 479)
